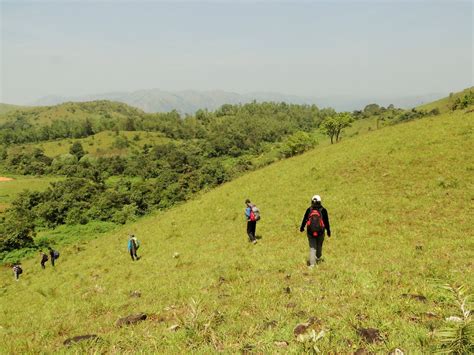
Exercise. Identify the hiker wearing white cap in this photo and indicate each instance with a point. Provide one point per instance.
(316, 222)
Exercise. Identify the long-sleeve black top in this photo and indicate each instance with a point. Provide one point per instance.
(324, 214)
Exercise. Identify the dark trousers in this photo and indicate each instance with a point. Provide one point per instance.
(52, 259)
(315, 248)
(42, 263)
(133, 254)
(251, 227)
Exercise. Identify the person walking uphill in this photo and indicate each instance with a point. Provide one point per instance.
(252, 214)
(44, 259)
(53, 254)
(17, 271)
(316, 222)
(133, 245)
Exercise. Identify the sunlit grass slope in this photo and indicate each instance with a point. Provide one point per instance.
(4, 108)
(444, 104)
(9, 190)
(43, 115)
(400, 202)
(100, 144)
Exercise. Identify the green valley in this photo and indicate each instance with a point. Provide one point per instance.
(400, 203)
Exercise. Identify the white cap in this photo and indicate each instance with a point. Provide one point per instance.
(316, 198)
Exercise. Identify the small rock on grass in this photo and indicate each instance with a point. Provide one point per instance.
(270, 324)
(430, 315)
(281, 344)
(135, 294)
(79, 338)
(370, 335)
(174, 328)
(131, 319)
(396, 351)
(415, 297)
(300, 329)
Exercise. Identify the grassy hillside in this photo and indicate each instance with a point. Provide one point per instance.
(11, 188)
(444, 105)
(100, 144)
(4, 108)
(43, 115)
(400, 202)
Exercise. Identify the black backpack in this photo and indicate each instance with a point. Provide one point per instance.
(315, 223)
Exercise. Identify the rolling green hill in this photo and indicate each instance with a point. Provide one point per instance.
(99, 144)
(4, 108)
(444, 104)
(11, 188)
(400, 202)
(70, 111)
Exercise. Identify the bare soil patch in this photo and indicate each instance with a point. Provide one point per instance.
(3, 178)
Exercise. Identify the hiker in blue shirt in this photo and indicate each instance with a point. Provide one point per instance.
(253, 215)
(133, 245)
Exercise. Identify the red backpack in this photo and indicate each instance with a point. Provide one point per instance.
(315, 223)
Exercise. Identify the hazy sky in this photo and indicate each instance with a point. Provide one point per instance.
(356, 48)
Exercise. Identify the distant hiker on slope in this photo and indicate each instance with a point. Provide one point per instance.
(252, 213)
(316, 221)
(44, 259)
(133, 245)
(53, 254)
(17, 271)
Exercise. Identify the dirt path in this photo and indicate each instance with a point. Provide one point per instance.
(2, 178)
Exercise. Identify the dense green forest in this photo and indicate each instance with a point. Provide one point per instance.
(201, 151)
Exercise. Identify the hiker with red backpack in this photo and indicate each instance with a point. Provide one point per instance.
(252, 213)
(316, 222)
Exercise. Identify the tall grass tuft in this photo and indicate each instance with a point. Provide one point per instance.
(457, 336)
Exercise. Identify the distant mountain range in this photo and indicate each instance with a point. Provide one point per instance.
(189, 101)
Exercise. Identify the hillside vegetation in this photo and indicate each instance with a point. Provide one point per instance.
(400, 202)
(106, 143)
(451, 102)
(4, 108)
(70, 111)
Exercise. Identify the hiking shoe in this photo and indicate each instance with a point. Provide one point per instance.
(254, 241)
(310, 267)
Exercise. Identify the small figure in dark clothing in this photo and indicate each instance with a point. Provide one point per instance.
(51, 255)
(17, 271)
(252, 214)
(316, 221)
(44, 259)
(133, 245)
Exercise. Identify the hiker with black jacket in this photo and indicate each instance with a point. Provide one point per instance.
(53, 254)
(316, 221)
(44, 259)
(17, 271)
(252, 214)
